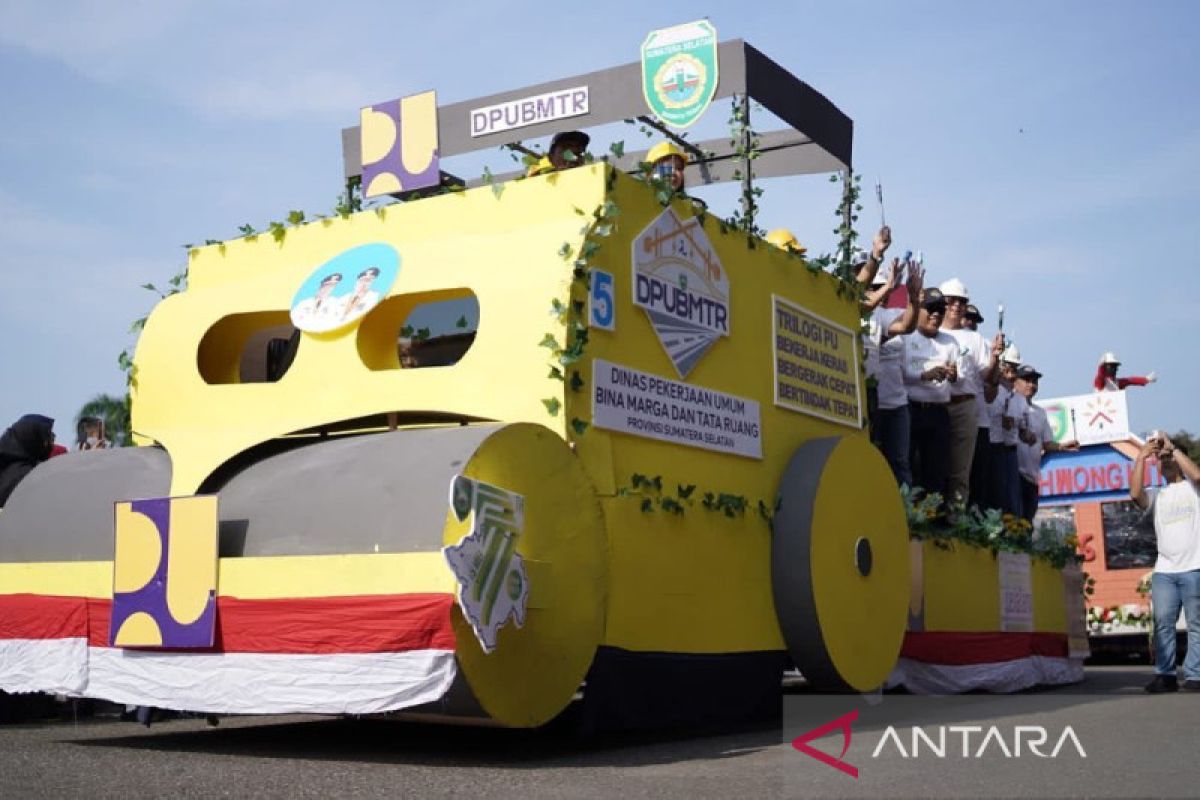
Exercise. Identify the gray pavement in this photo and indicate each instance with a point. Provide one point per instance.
(323, 757)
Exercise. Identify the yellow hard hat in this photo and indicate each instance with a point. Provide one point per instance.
(786, 240)
(540, 166)
(664, 149)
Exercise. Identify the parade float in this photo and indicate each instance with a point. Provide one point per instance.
(631, 472)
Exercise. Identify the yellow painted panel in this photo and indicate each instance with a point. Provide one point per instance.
(138, 549)
(696, 583)
(139, 630)
(419, 131)
(1049, 603)
(59, 578)
(962, 589)
(257, 578)
(191, 556)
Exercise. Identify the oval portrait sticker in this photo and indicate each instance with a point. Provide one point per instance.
(345, 288)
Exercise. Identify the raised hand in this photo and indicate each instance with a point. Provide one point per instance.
(881, 242)
(916, 279)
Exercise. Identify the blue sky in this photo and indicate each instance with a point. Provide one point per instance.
(1048, 154)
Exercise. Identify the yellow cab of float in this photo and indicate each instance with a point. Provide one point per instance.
(634, 463)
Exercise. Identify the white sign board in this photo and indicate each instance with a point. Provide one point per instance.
(527, 111)
(641, 404)
(1093, 418)
(1016, 592)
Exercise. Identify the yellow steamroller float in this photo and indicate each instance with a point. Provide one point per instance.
(480, 454)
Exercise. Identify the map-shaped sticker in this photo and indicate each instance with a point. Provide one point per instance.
(492, 583)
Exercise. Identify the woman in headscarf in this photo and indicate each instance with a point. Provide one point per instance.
(22, 447)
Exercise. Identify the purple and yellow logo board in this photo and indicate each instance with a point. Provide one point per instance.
(165, 573)
(400, 145)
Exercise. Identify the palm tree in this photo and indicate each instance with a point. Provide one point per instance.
(115, 413)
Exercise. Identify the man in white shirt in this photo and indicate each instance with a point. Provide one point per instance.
(976, 365)
(930, 368)
(1175, 509)
(1036, 437)
(890, 422)
(1004, 408)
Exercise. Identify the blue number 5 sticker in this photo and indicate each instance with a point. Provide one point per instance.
(602, 310)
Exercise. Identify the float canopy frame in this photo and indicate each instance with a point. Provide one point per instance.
(819, 139)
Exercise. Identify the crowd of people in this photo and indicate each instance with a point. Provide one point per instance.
(951, 410)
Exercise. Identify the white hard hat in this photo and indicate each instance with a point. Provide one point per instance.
(1011, 354)
(954, 288)
(1110, 358)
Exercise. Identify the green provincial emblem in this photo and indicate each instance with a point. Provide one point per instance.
(679, 71)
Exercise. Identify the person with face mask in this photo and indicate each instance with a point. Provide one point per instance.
(27, 443)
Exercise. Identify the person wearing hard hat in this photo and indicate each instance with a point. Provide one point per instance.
(667, 162)
(567, 149)
(887, 398)
(1005, 409)
(930, 369)
(976, 364)
(1036, 437)
(786, 240)
(1106, 379)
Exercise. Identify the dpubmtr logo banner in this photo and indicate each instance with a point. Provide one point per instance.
(679, 281)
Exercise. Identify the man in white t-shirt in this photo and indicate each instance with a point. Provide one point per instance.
(930, 368)
(976, 365)
(1004, 408)
(1175, 509)
(1036, 437)
(885, 351)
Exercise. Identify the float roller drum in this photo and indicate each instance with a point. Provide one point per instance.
(390, 493)
(536, 669)
(63, 509)
(840, 563)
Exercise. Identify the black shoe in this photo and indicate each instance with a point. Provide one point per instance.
(1191, 685)
(1163, 683)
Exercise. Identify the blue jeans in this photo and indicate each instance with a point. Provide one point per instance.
(1169, 591)
(891, 431)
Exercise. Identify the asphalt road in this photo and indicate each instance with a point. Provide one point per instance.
(1137, 745)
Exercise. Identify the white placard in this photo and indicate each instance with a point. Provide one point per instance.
(1016, 592)
(638, 403)
(527, 111)
(1093, 418)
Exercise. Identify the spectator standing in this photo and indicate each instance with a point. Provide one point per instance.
(1036, 437)
(929, 368)
(27, 443)
(975, 367)
(1175, 584)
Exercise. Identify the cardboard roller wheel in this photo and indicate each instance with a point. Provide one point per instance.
(535, 669)
(839, 563)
